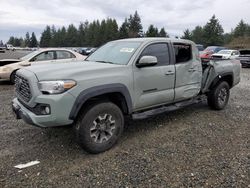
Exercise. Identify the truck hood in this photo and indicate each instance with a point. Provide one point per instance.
(72, 70)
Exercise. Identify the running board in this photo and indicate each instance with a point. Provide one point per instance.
(167, 108)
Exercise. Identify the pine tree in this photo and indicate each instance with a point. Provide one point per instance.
(163, 33)
(135, 26)
(33, 40)
(11, 40)
(198, 35)
(72, 36)
(82, 32)
(213, 32)
(124, 29)
(27, 39)
(152, 31)
(241, 29)
(187, 35)
(45, 37)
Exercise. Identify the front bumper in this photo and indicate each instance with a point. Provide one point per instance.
(245, 62)
(4, 75)
(20, 114)
(60, 109)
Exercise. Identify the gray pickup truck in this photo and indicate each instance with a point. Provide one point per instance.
(134, 78)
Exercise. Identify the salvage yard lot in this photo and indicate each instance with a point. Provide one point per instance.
(191, 147)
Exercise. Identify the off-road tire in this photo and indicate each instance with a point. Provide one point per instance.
(107, 114)
(218, 97)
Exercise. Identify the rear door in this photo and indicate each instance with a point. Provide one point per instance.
(63, 56)
(154, 85)
(188, 71)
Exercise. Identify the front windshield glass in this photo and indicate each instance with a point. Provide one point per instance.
(224, 52)
(30, 55)
(117, 52)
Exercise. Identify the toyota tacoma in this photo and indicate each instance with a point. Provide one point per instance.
(135, 78)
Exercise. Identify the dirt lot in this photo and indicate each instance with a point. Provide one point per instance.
(192, 147)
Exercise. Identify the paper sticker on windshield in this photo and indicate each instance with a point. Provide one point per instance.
(127, 50)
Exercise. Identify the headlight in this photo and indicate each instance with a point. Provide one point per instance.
(55, 87)
(6, 69)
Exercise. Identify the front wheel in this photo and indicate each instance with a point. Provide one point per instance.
(218, 97)
(99, 128)
(13, 77)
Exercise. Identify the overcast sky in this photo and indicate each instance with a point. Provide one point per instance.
(19, 16)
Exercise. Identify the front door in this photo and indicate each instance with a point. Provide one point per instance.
(154, 85)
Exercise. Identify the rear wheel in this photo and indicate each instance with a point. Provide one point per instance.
(99, 128)
(218, 97)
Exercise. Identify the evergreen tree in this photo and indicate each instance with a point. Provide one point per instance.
(198, 35)
(72, 36)
(62, 34)
(45, 37)
(213, 32)
(17, 42)
(124, 29)
(33, 40)
(152, 31)
(11, 40)
(27, 39)
(53, 42)
(241, 29)
(187, 35)
(163, 33)
(82, 32)
(135, 26)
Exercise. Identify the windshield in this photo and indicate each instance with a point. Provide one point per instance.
(30, 55)
(117, 52)
(224, 52)
(210, 48)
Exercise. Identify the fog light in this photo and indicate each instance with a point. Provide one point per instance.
(47, 110)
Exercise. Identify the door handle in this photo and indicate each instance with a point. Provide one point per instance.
(169, 73)
(191, 70)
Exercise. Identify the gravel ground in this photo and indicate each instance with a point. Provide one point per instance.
(192, 147)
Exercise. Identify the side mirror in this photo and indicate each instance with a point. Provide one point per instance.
(25, 64)
(147, 61)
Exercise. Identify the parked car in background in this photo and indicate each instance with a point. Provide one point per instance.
(244, 57)
(200, 47)
(207, 53)
(226, 54)
(10, 47)
(50, 55)
(87, 51)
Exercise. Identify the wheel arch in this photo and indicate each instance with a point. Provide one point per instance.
(116, 93)
(227, 77)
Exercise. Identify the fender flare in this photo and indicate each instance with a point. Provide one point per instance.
(100, 90)
(219, 77)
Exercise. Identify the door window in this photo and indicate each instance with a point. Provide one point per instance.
(45, 56)
(160, 51)
(64, 55)
(183, 52)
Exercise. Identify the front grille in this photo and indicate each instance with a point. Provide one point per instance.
(217, 57)
(23, 88)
